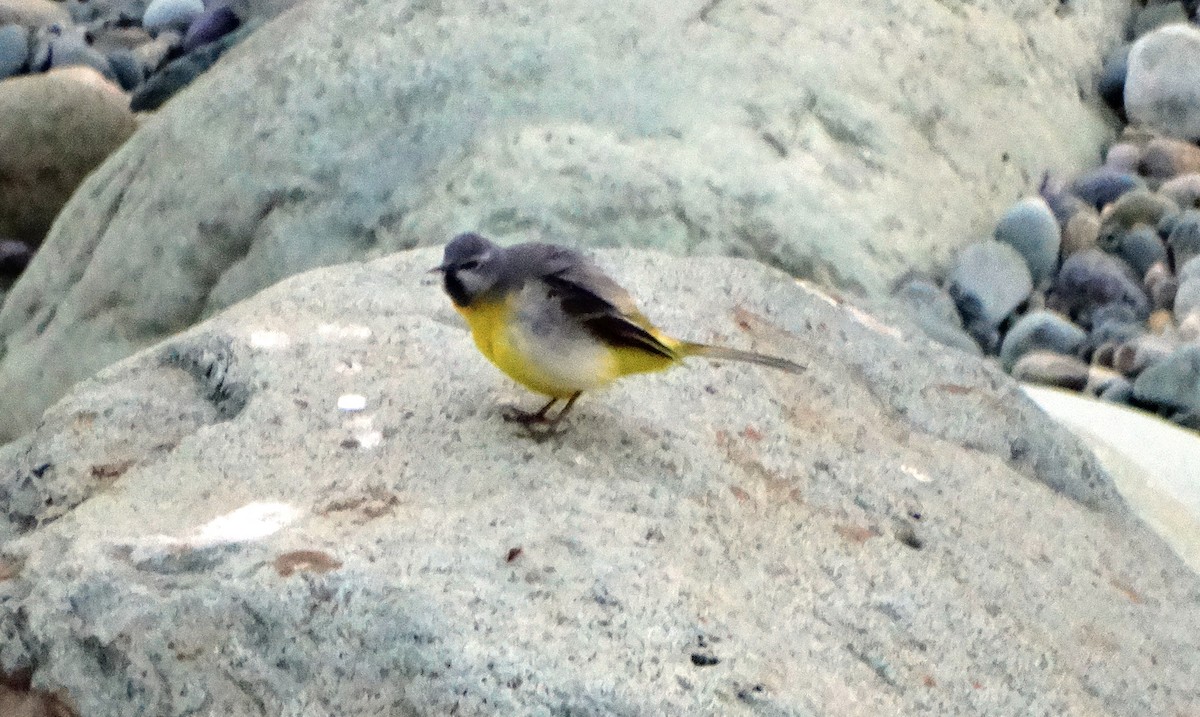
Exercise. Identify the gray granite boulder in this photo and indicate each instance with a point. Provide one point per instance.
(309, 504)
(767, 130)
(1161, 89)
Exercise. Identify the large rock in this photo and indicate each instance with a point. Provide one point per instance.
(1162, 90)
(767, 130)
(205, 532)
(58, 126)
(33, 13)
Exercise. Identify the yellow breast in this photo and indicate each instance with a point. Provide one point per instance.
(558, 364)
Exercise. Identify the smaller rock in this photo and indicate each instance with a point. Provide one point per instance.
(1030, 227)
(1124, 157)
(33, 13)
(171, 14)
(1103, 186)
(1161, 322)
(216, 22)
(72, 50)
(1160, 285)
(1187, 298)
(1189, 328)
(1183, 190)
(934, 311)
(1052, 369)
(1081, 232)
(108, 38)
(1173, 382)
(1101, 379)
(127, 69)
(153, 55)
(987, 282)
(1162, 91)
(1138, 207)
(1140, 247)
(14, 257)
(1184, 239)
(1040, 331)
(1164, 158)
(1132, 357)
(1091, 280)
(1156, 15)
(1119, 391)
(14, 50)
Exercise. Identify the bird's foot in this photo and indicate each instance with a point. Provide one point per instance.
(512, 414)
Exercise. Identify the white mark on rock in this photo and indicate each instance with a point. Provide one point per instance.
(915, 474)
(269, 339)
(339, 332)
(351, 402)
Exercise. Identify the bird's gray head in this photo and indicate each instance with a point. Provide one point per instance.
(472, 267)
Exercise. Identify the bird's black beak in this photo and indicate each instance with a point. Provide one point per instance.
(440, 268)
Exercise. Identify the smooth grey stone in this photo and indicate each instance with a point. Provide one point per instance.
(1187, 296)
(1156, 15)
(127, 69)
(1090, 280)
(171, 14)
(987, 282)
(1184, 239)
(1117, 391)
(1103, 186)
(14, 50)
(1162, 88)
(217, 21)
(1040, 330)
(1052, 369)
(1029, 227)
(934, 311)
(1141, 248)
(1172, 382)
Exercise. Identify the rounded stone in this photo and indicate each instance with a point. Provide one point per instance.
(1173, 382)
(1091, 280)
(1165, 158)
(1132, 357)
(1081, 232)
(934, 311)
(58, 127)
(171, 14)
(127, 69)
(1103, 186)
(988, 281)
(1123, 157)
(1156, 15)
(33, 13)
(1184, 238)
(216, 22)
(1052, 369)
(1162, 88)
(1141, 248)
(1040, 330)
(1116, 391)
(1139, 207)
(1184, 190)
(14, 50)
(1161, 286)
(1187, 297)
(1030, 227)
(72, 50)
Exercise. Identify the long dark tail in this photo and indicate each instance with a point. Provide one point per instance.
(722, 353)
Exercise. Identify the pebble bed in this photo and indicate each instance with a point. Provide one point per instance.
(1093, 283)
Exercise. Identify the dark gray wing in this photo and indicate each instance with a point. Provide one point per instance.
(588, 294)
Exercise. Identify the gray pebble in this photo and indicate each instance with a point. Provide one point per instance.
(1187, 297)
(1123, 156)
(1184, 190)
(127, 68)
(1161, 286)
(934, 311)
(1103, 186)
(1133, 357)
(1030, 227)
(1173, 382)
(171, 14)
(14, 50)
(1091, 280)
(1040, 330)
(987, 282)
(1117, 391)
(1184, 238)
(217, 21)
(1052, 369)
(1141, 248)
(1155, 15)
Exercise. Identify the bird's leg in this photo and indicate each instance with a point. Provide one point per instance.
(525, 418)
(570, 402)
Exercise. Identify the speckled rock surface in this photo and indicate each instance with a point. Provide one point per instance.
(202, 531)
(767, 130)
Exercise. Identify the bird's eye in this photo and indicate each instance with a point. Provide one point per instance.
(469, 265)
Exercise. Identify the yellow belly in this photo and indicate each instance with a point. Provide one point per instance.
(559, 369)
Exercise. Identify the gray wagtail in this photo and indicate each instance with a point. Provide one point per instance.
(557, 324)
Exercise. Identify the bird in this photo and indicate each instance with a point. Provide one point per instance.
(555, 323)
